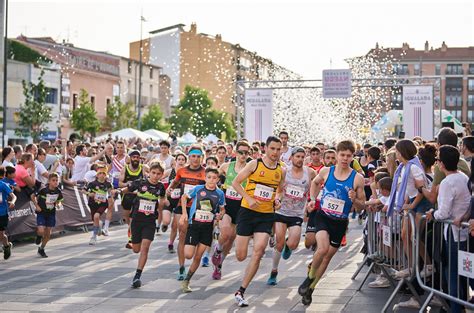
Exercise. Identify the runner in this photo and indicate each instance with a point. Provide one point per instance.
(285, 149)
(233, 201)
(186, 178)
(207, 200)
(46, 202)
(130, 173)
(211, 162)
(150, 197)
(343, 188)
(256, 216)
(169, 163)
(315, 155)
(5, 194)
(290, 215)
(117, 163)
(221, 154)
(100, 199)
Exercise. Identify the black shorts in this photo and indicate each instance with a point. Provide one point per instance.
(173, 204)
(99, 210)
(3, 222)
(127, 201)
(179, 210)
(250, 222)
(290, 221)
(310, 225)
(336, 228)
(142, 230)
(232, 208)
(199, 233)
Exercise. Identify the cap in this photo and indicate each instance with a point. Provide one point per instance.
(134, 152)
(102, 169)
(297, 149)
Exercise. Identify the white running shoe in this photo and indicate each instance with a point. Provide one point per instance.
(239, 299)
(409, 304)
(380, 282)
(93, 241)
(105, 232)
(402, 274)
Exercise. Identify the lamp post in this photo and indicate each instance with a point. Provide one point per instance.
(140, 70)
(5, 59)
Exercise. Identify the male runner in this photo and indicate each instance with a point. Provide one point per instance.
(256, 216)
(117, 164)
(169, 163)
(343, 188)
(233, 201)
(221, 154)
(293, 204)
(6, 194)
(315, 156)
(285, 149)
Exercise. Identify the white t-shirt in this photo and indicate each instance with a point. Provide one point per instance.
(40, 170)
(81, 166)
(90, 176)
(416, 173)
(6, 163)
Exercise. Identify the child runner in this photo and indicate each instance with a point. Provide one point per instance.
(5, 193)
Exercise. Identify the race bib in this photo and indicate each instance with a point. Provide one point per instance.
(230, 193)
(204, 216)
(147, 207)
(294, 192)
(175, 193)
(263, 193)
(50, 201)
(100, 197)
(333, 205)
(188, 188)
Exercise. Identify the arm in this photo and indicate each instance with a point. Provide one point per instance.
(244, 174)
(316, 187)
(97, 156)
(35, 201)
(279, 190)
(13, 200)
(358, 195)
(122, 183)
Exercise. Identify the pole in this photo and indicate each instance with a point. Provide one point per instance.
(238, 112)
(139, 103)
(5, 60)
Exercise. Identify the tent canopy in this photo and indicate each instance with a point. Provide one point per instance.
(157, 133)
(187, 138)
(128, 133)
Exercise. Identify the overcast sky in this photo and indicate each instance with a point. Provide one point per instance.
(300, 35)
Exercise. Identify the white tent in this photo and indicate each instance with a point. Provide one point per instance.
(211, 138)
(128, 133)
(157, 133)
(187, 138)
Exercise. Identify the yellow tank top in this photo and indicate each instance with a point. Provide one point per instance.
(262, 185)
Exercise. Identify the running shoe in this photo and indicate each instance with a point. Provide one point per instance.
(93, 241)
(217, 274)
(239, 299)
(380, 282)
(157, 229)
(216, 257)
(164, 228)
(171, 249)
(286, 253)
(185, 287)
(303, 289)
(344, 241)
(137, 283)
(272, 281)
(411, 303)
(308, 297)
(128, 245)
(7, 251)
(42, 253)
(181, 273)
(205, 261)
(105, 232)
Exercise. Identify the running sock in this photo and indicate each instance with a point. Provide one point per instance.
(276, 259)
(95, 230)
(181, 269)
(189, 275)
(38, 239)
(312, 273)
(313, 284)
(218, 247)
(106, 224)
(138, 274)
(241, 290)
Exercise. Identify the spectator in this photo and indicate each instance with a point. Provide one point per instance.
(67, 173)
(25, 171)
(18, 152)
(82, 162)
(8, 154)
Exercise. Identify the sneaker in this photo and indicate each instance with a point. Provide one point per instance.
(286, 253)
(402, 274)
(42, 253)
(380, 282)
(239, 299)
(305, 286)
(272, 281)
(205, 262)
(128, 245)
(171, 249)
(426, 271)
(181, 274)
(271, 242)
(105, 232)
(216, 257)
(217, 274)
(344, 241)
(409, 304)
(164, 228)
(137, 283)
(7, 251)
(308, 297)
(93, 241)
(185, 287)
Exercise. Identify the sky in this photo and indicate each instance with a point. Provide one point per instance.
(303, 36)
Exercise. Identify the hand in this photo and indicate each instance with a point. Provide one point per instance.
(457, 221)
(37, 210)
(471, 226)
(352, 195)
(168, 192)
(310, 206)
(92, 195)
(406, 207)
(253, 203)
(11, 205)
(429, 215)
(385, 209)
(277, 204)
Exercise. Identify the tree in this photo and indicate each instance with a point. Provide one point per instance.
(153, 119)
(34, 113)
(84, 118)
(195, 114)
(120, 115)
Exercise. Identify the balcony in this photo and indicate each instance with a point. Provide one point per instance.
(454, 71)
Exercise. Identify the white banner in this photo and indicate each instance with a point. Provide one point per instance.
(258, 118)
(418, 112)
(387, 236)
(465, 264)
(337, 84)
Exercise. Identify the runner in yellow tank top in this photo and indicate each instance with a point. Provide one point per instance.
(264, 177)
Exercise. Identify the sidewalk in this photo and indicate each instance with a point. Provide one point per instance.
(81, 278)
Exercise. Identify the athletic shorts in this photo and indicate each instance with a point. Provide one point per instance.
(45, 220)
(232, 208)
(335, 228)
(250, 222)
(142, 230)
(310, 225)
(173, 204)
(99, 210)
(199, 233)
(3, 222)
(290, 221)
(127, 201)
(179, 210)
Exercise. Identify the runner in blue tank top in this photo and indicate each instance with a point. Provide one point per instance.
(343, 189)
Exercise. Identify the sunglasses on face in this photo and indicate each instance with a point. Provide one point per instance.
(242, 152)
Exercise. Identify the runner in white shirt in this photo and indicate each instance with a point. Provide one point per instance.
(285, 149)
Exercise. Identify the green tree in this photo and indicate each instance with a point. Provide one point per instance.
(120, 115)
(195, 114)
(84, 118)
(34, 113)
(154, 119)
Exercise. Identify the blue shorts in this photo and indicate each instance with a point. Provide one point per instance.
(45, 220)
(422, 207)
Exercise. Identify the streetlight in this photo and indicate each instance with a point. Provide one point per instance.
(142, 19)
(5, 59)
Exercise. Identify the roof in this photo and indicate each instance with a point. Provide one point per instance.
(144, 63)
(167, 28)
(444, 53)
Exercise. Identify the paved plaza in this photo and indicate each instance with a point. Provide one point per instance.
(81, 278)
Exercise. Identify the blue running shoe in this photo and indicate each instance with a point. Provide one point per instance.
(205, 261)
(181, 273)
(286, 253)
(272, 281)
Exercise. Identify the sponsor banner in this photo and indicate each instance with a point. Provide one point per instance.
(418, 116)
(258, 114)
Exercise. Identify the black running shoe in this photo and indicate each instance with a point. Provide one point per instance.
(171, 249)
(7, 251)
(308, 297)
(137, 283)
(42, 253)
(304, 287)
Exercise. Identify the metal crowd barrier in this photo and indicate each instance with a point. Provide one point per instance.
(451, 277)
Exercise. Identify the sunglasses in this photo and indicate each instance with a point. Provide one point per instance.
(242, 152)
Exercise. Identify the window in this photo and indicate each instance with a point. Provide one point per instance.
(438, 69)
(51, 95)
(93, 101)
(417, 69)
(74, 101)
(470, 84)
(151, 92)
(107, 102)
(453, 84)
(454, 100)
(454, 69)
(471, 69)
(151, 72)
(129, 67)
(457, 114)
(470, 116)
(470, 100)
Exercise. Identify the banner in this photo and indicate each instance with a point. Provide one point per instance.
(337, 84)
(418, 119)
(258, 114)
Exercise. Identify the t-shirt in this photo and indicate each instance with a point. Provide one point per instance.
(81, 166)
(5, 191)
(145, 206)
(5, 163)
(189, 178)
(40, 170)
(206, 204)
(48, 200)
(21, 174)
(102, 194)
(90, 176)
(10, 182)
(49, 161)
(416, 173)
(463, 166)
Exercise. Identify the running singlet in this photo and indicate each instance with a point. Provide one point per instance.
(189, 178)
(117, 166)
(316, 168)
(230, 192)
(145, 206)
(335, 201)
(295, 194)
(206, 204)
(48, 200)
(262, 185)
(101, 194)
(285, 156)
(131, 175)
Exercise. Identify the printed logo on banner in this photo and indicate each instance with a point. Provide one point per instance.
(387, 238)
(465, 264)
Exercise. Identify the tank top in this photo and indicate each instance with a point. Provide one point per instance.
(335, 201)
(262, 185)
(295, 194)
(285, 156)
(230, 192)
(168, 161)
(133, 175)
